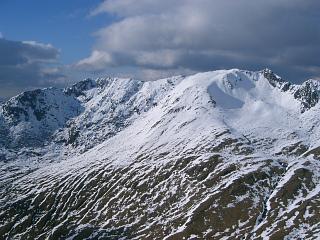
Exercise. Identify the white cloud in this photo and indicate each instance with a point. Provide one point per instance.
(207, 34)
(95, 62)
(133, 7)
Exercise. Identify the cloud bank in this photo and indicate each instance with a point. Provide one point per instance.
(27, 65)
(161, 37)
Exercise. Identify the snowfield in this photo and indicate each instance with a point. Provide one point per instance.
(228, 154)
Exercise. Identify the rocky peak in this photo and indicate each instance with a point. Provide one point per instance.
(275, 80)
(308, 93)
(79, 88)
(17, 108)
(35, 115)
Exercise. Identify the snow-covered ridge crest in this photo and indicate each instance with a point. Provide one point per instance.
(115, 103)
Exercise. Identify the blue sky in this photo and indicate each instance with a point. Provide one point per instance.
(55, 43)
(63, 23)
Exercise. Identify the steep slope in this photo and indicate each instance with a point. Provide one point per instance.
(230, 153)
(32, 117)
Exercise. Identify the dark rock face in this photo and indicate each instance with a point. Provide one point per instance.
(32, 99)
(41, 112)
(79, 88)
(273, 79)
(309, 94)
(276, 81)
(18, 108)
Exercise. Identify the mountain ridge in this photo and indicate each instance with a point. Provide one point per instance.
(225, 154)
(307, 93)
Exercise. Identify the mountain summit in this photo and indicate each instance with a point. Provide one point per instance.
(229, 154)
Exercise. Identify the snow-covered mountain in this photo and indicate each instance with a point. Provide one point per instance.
(228, 154)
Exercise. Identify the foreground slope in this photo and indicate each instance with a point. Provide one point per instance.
(229, 153)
